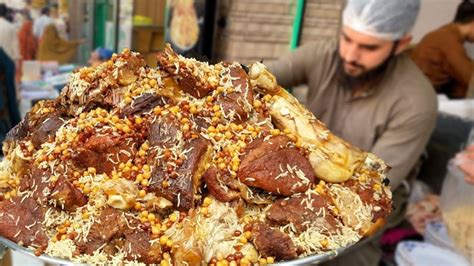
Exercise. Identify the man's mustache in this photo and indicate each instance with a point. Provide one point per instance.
(354, 64)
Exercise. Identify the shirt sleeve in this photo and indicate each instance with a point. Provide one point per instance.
(294, 68)
(404, 140)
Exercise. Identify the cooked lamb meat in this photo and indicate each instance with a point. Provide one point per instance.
(104, 153)
(109, 226)
(144, 103)
(37, 182)
(189, 83)
(185, 182)
(163, 131)
(240, 101)
(67, 196)
(21, 221)
(18, 132)
(273, 243)
(218, 185)
(137, 246)
(283, 172)
(303, 210)
(46, 129)
(259, 148)
(368, 195)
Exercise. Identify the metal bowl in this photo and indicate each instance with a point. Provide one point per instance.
(313, 259)
(45, 258)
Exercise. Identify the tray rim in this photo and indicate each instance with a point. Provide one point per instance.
(312, 259)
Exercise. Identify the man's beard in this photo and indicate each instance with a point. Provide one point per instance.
(368, 77)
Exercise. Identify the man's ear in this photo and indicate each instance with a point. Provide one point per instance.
(403, 43)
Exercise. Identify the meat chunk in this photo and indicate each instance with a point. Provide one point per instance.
(259, 148)
(129, 72)
(108, 227)
(239, 102)
(104, 153)
(195, 85)
(67, 196)
(182, 186)
(283, 172)
(45, 130)
(38, 183)
(220, 186)
(378, 199)
(144, 103)
(137, 247)
(273, 243)
(18, 132)
(162, 132)
(304, 210)
(21, 221)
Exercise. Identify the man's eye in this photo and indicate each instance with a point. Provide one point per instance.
(369, 48)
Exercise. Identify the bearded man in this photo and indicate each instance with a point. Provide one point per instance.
(366, 89)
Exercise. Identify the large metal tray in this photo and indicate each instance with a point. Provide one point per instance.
(313, 259)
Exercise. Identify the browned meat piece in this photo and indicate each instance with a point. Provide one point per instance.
(45, 130)
(107, 227)
(201, 122)
(21, 222)
(259, 148)
(37, 116)
(240, 102)
(194, 85)
(181, 188)
(137, 247)
(114, 96)
(18, 132)
(304, 210)
(129, 73)
(366, 192)
(273, 243)
(144, 103)
(67, 196)
(104, 153)
(37, 182)
(283, 172)
(95, 87)
(163, 132)
(218, 185)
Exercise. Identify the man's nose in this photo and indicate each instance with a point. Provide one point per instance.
(352, 53)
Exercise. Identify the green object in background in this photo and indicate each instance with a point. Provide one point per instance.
(296, 31)
(100, 20)
(297, 24)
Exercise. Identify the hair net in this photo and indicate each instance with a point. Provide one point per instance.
(387, 19)
(104, 53)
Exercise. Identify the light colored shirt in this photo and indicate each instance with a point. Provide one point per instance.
(393, 119)
(40, 24)
(9, 40)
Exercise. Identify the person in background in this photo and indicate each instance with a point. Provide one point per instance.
(99, 55)
(53, 48)
(442, 57)
(27, 40)
(42, 22)
(366, 89)
(59, 21)
(9, 44)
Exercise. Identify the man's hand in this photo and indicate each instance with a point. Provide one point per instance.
(465, 162)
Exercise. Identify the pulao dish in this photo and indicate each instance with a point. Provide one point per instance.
(188, 163)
